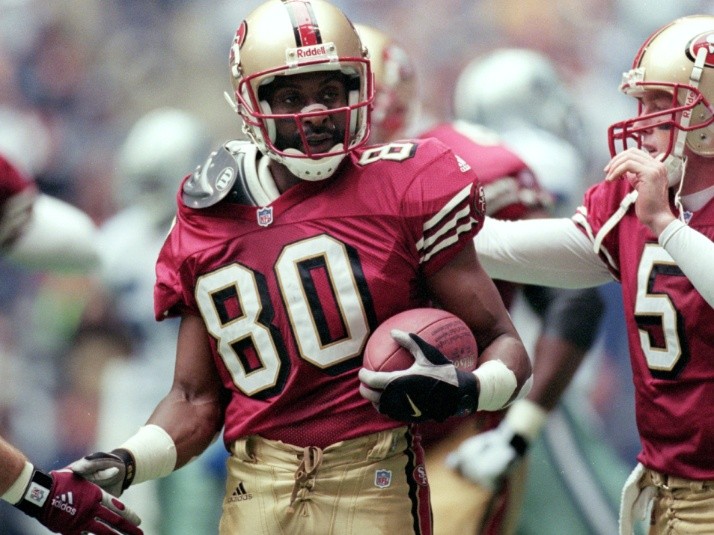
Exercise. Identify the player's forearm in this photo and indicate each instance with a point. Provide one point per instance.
(694, 254)
(571, 322)
(180, 428)
(12, 462)
(549, 252)
(192, 424)
(555, 363)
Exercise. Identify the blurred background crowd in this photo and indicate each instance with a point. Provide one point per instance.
(76, 75)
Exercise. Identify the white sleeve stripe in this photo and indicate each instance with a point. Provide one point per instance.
(443, 244)
(444, 228)
(550, 252)
(447, 226)
(448, 208)
(582, 220)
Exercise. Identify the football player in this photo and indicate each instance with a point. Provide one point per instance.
(287, 251)
(574, 474)
(33, 227)
(649, 225)
(570, 317)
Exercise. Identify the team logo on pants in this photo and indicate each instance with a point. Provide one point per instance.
(420, 475)
(383, 478)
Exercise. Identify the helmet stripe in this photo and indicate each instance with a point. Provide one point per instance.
(646, 44)
(304, 22)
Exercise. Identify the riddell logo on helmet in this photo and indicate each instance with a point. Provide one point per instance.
(312, 52)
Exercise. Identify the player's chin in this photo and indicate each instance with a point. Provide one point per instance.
(370, 394)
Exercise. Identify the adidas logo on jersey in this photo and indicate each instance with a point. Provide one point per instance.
(239, 494)
(65, 502)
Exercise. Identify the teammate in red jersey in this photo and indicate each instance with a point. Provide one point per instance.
(650, 225)
(486, 450)
(287, 251)
(59, 500)
(488, 503)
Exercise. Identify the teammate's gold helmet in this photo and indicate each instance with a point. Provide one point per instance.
(678, 59)
(288, 37)
(396, 99)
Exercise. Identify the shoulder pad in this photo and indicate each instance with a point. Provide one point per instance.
(212, 182)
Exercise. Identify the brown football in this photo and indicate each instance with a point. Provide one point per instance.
(443, 330)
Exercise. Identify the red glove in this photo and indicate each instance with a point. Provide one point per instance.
(66, 503)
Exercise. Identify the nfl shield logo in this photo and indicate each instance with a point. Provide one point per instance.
(265, 216)
(383, 478)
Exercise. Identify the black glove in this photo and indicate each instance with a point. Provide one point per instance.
(113, 471)
(430, 389)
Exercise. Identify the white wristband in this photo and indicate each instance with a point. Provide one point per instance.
(497, 383)
(526, 418)
(17, 489)
(154, 453)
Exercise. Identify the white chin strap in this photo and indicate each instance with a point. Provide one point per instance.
(676, 163)
(312, 170)
(675, 169)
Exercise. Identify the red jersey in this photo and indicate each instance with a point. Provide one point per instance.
(291, 291)
(12, 183)
(512, 192)
(511, 188)
(670, 331)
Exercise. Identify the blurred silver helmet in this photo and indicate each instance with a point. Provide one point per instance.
(555, 162)
(511, 88)
(162, 147)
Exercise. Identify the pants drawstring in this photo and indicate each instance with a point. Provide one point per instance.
(305, 475)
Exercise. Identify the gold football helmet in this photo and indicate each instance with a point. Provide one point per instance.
(396, 99)
(678, 59)
(288, 37)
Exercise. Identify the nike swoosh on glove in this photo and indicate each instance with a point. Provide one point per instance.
(113, 471)
(634, 501)
(65, 503)
(430, 389)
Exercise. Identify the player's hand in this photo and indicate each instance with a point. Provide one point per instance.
(65, 503)
(649, 176)
(113, 471)
(634, 500)
(487, 458)
(430, 389)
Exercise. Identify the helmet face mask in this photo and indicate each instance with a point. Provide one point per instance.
(677, 59)
(627, 133)
(295, 38)
(306, 119)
